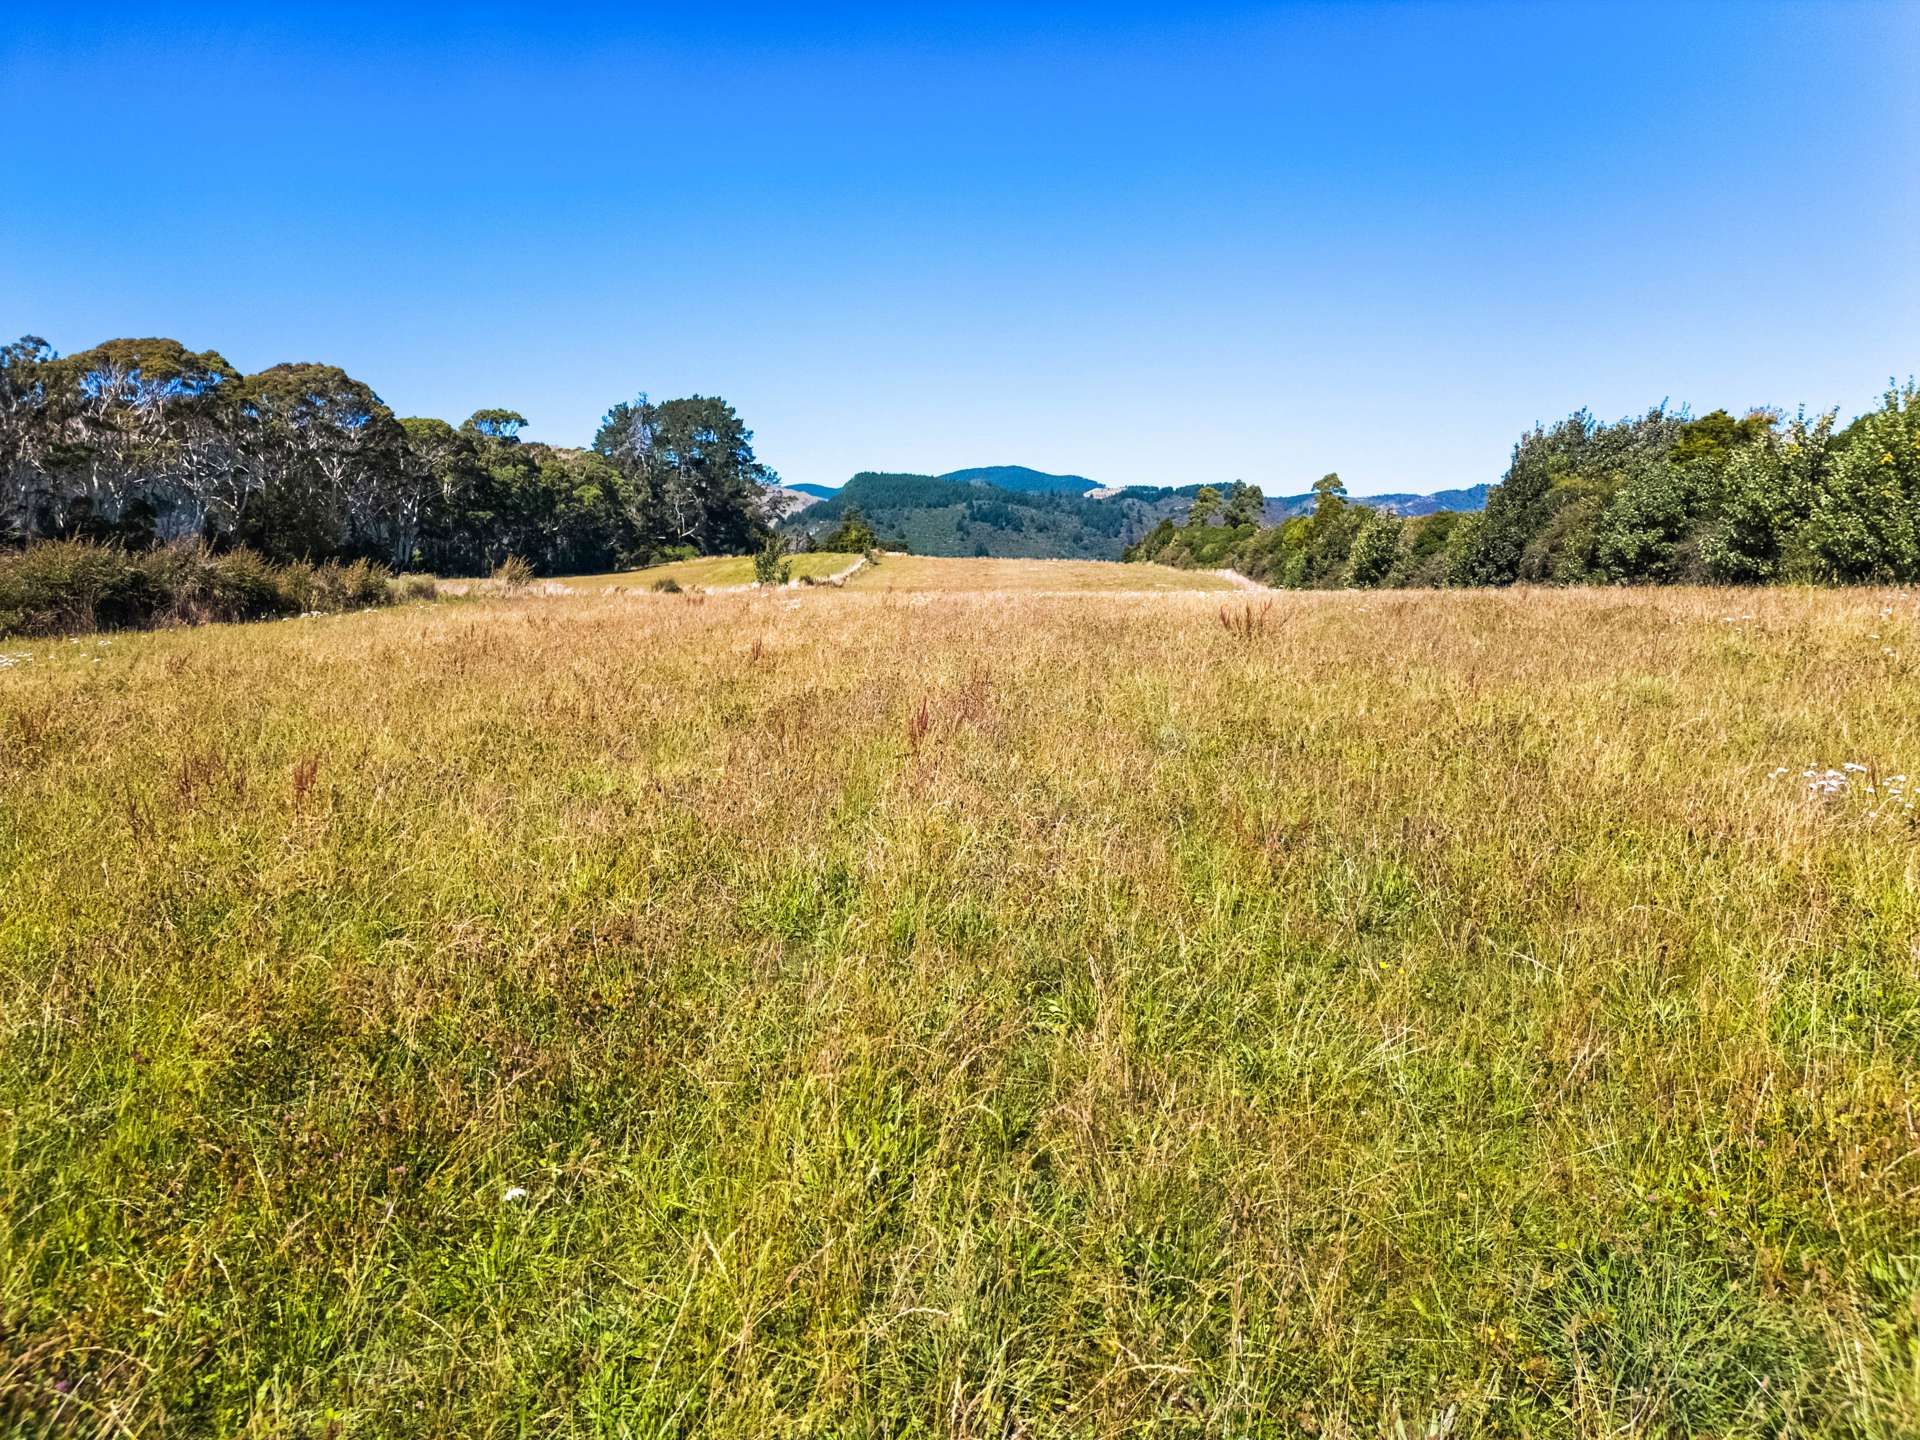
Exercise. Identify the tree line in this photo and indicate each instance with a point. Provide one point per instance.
(1661, 497)
(144, 442)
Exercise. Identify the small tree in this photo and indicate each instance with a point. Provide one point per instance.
(1375, 549)
(770, 564)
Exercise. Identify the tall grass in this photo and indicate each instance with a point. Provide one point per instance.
(823, 1014)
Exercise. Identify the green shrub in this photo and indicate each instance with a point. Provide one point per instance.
(853, 535)
(71, 587)
(770, 565)
(415, 587)
(356, 586)
(68, 586)
(667, 585)
(198, 585)
(295, 580)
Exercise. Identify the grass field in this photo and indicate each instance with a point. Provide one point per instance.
(714, 572)
(813, 1013)
(921, 573)
(935, 573)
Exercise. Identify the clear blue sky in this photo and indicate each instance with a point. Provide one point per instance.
(1153, 245)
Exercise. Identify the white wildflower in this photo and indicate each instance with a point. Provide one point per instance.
(513, 1193)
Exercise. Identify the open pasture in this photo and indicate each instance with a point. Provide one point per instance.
(909, 573)
(709, 572)
(815, 1013)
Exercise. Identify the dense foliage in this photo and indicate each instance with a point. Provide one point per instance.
(854, 535)
(67, 587)
(1661, 497)
(140, 442)
(1336, 542)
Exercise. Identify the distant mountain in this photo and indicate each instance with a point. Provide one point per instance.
(1474, 497)
(1011, 511)
(784, 501)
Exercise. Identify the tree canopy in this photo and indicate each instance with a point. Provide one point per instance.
(142, 441)
(1657, 497)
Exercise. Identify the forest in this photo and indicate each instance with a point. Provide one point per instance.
(138, 443)
(1659, 498)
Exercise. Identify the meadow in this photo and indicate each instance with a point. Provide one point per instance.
(912, 573)
(841, 1012)
(919, 573)
(708, 572)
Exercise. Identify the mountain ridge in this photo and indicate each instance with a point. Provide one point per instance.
(963, 513)
(1022, 479)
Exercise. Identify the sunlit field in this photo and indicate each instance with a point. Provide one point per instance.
(917, 573)
(712, 572)
(827, 1012)
(933, 572)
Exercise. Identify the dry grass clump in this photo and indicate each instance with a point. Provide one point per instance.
(819, 1013)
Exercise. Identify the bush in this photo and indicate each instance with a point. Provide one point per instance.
(853, 535)
(70, 587)
(415, 587)
(667, 585)
(200, 586)
(770, 565)
(65, 587)
(357, 586)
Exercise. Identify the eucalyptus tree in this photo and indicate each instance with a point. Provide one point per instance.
(24, 434)
(330, 452)
(135, 438)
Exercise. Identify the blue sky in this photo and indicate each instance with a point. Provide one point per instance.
(1150, 245)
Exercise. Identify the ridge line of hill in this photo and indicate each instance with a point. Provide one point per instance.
(1013, 512)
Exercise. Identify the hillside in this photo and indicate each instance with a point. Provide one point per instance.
(1022, 479)
(1013, 512)
(938, 515)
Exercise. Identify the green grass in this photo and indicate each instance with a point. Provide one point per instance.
(813, 1013)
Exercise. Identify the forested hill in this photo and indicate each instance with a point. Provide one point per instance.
(1011, 511)
(1020, 478)
(940, 515)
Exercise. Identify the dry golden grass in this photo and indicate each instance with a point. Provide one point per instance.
(919, 573)
(712, 572)
(826, 1013)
